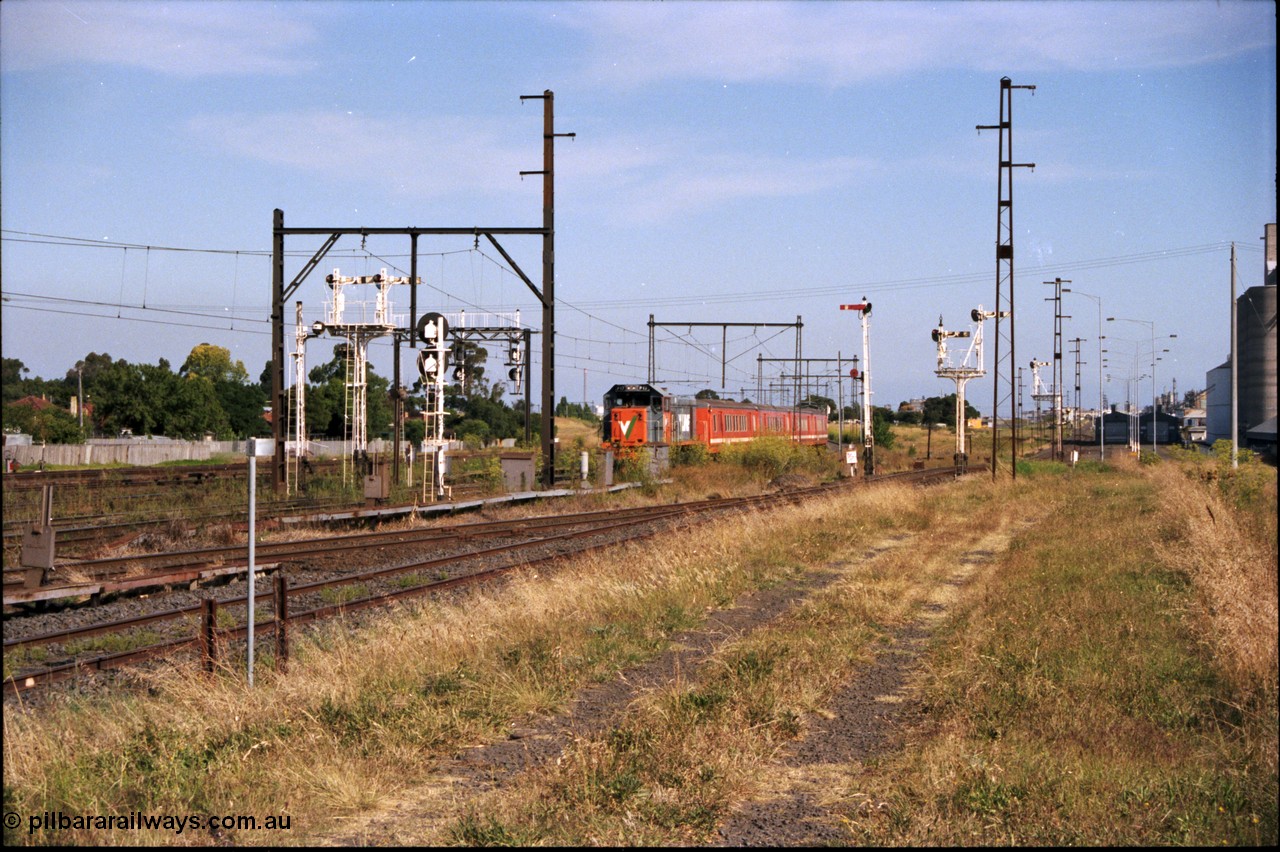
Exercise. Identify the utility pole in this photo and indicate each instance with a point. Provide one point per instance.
(1057, 366)
(548, 173)
(1076, 431)
(1235, 371)
(1004, 360)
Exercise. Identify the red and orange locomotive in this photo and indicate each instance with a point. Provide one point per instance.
(641, 415)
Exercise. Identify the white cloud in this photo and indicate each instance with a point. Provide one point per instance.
(633, 44)
(681, 185)
(638, 180)
(406, 156)
(188, 39)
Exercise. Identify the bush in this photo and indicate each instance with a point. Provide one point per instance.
(633, 465)
(773, 456)
(690, 454)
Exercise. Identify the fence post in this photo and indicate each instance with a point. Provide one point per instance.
(208, 634)
(282, 622)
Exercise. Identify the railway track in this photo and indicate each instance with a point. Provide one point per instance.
(198, 474)
(456, 562)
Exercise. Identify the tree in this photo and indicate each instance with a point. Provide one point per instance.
(942, 409)
(565, 408)
(44, 422)
(193, 409)
(881, 427)
(823, 403)
(12, 380)
(706, 393)
(241, 403)
(214, 363)
(327, 399)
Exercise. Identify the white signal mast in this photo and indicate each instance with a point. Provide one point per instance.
(868, 437)
(301, 333)
(433, 330)
(1051, 394)
(359, 322)
(968, 367)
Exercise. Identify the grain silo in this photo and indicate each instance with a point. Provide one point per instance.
(1256, 344)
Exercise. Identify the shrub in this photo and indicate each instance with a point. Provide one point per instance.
(633, 465)
(690, 454)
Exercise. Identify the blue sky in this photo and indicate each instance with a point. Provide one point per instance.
(733, 162)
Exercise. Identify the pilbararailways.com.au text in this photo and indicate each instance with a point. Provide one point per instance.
(136, 821)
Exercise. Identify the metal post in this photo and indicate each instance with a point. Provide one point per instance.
(1004, 273)
(397, 408)
(282, 622)
(279, 475)
(1235, 375)
(253, 516)
(208, 634)
(80, 392)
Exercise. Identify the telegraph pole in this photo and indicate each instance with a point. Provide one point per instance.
(1004, 360)
(1057, 365)
(548, 173)
(1235, 376)
(1077, 341)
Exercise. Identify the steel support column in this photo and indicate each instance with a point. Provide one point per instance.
(1005, 356)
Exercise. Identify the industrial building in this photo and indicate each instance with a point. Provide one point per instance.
(1255, 316)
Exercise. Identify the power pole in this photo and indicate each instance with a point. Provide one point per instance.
(1235, 375)
(548, 173)
(1004, 360)
(1057, 366)
(1076, 417)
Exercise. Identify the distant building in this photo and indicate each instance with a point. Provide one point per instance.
(1193, 426)
(1255, 318)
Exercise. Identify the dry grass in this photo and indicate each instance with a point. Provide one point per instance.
(1234, 570)
(1077, 694)
(330, 738)
(1079, 700)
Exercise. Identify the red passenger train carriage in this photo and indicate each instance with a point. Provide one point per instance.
(641, 415)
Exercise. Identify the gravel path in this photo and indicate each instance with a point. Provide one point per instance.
(423, 814)
(862, 722)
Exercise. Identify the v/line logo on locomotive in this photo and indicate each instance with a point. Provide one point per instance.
(666, 420)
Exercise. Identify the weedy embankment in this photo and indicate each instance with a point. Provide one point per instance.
(1114, 682)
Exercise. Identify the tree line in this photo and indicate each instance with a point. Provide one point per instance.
(211, 394)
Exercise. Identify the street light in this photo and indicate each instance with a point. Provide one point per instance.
(1154, 387)
(1098, 301)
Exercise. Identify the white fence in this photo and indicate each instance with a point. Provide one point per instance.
(145, 451)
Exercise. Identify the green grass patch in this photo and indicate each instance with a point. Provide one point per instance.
(1081, 704)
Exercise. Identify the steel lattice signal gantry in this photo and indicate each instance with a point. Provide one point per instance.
(969, 367)
(280, 293)
(1005, 356)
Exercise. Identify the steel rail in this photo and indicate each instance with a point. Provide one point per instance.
(708, 508)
